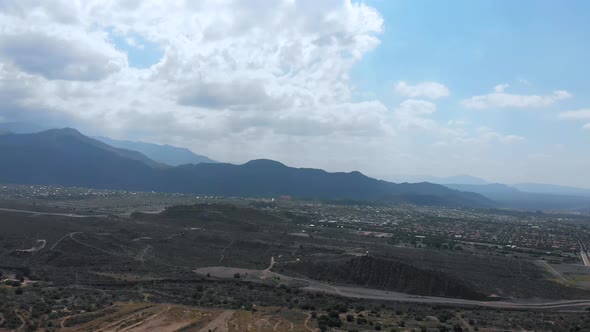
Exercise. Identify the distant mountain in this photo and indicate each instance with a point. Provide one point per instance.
(552, 189)
(166, 154)
(463, 179)
(493, 189)
(510, 197)
(66, 157)
(60, 138)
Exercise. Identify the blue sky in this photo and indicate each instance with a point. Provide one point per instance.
(495, 89)
(470, 46)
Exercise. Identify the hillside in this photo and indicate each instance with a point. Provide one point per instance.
(387, 274)
(66, 157)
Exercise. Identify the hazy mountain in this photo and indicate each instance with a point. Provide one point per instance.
(66, 157)
(551, 189)
(166, 154)
(510, 197)
(65, 138)
(463, 179)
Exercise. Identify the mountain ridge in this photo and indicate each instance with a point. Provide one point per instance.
(68, 159)
(162, 153)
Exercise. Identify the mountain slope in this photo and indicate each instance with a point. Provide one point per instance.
(166, 154)
(463, 179)
(65, 157)
(386, 274)
(67, 135)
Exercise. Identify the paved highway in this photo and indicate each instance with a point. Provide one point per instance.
(72, 215)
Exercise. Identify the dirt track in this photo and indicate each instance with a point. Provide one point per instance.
(40, 244)
(219, 324)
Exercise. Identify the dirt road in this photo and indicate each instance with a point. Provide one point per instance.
(219, 324)
(263, 276)
(554, 272)
(40, 244)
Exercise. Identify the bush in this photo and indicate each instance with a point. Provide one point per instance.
(329, 321)
(13, 283)
(349, 318)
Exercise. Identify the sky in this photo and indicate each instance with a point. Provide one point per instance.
(495, 89)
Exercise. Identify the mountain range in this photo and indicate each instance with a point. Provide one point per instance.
(66, 157)
(530, 196)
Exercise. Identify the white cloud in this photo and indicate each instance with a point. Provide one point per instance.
(500, 99)
(454, 123)
(501, 87)
(582, 114)
(414, 107)
(431, 90)
(60, 57)
(134, 43)
(237, 79)
(487, 135)
(414, 113)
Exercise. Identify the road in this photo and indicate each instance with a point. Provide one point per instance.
(40, 244)
(252, 275)
(71, 215)
(553, 272)
(70, 235)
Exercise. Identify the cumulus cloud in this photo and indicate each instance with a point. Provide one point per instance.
(239, 73)
(236, 80)
(415, 113)
(57, 58)
(501, 99)
(431, 90)
(233, 95)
